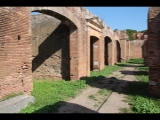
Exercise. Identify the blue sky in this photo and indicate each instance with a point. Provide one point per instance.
(122, 18)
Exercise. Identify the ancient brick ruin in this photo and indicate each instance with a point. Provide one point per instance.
(153, 57)
(61, 43)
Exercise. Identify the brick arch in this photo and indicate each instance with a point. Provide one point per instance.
(108, 50)
(61, 13)
(66, 17)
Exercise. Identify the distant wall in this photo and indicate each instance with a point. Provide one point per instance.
(136, 48)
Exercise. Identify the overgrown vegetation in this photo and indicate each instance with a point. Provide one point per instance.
(49, 94)
(138, 92)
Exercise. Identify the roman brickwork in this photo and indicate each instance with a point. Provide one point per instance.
(60, 43)
(136, 48)
(15, 51)
(154, 50)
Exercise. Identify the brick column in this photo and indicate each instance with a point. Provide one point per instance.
(123, 50)
(154, 50)
(15, 51)
(123, 44)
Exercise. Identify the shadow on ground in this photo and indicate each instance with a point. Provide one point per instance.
(118, 85)
(121, 86)
(134, 72)
(52, 108)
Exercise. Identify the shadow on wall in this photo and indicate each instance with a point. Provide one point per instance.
(66, 108)
(57, 40)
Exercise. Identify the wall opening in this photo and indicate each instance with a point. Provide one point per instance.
(50, 48)
(118, 49)
(107, 51)
(93, 53)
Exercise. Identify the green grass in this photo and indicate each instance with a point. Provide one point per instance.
(92, 97)
(106, 71)
(136, 61)
(104, 91)
(138, 93)
(50, 94)
(11, 96)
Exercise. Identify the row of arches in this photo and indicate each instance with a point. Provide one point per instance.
(59, 41)
(47, 48)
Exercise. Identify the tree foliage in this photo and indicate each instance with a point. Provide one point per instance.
(130, 33)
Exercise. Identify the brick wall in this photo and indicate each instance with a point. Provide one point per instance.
(15, 51)
(60, 48)
(154, 50)
(136, 48)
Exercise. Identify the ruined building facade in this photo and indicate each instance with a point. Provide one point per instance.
(61, 43)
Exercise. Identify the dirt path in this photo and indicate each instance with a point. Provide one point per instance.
(104, 96)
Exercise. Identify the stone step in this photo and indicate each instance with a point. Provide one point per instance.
(15, 104)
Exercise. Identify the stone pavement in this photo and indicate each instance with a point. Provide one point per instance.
(15, 104)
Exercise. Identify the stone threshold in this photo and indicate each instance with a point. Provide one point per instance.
(15, 104)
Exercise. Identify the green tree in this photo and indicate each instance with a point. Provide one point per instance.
(130, 33)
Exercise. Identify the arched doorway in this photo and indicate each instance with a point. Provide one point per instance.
(118, 50)
(107, 51)
(94, 53)
(51, 50)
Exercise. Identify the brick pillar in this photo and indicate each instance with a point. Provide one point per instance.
(154, 50)
(101, 52)
(74, 55)
(15, 51)
(115, 51)
(112, 53)
(145, 51)
(123, 50)
(128, 50)
(123, 44)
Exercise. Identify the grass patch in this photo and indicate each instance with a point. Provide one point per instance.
(11, 96)
(103, 92)
(138, 93)
(126, 110)
(92, 97)
(136, 61)
(48, 93)
(106, 71)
